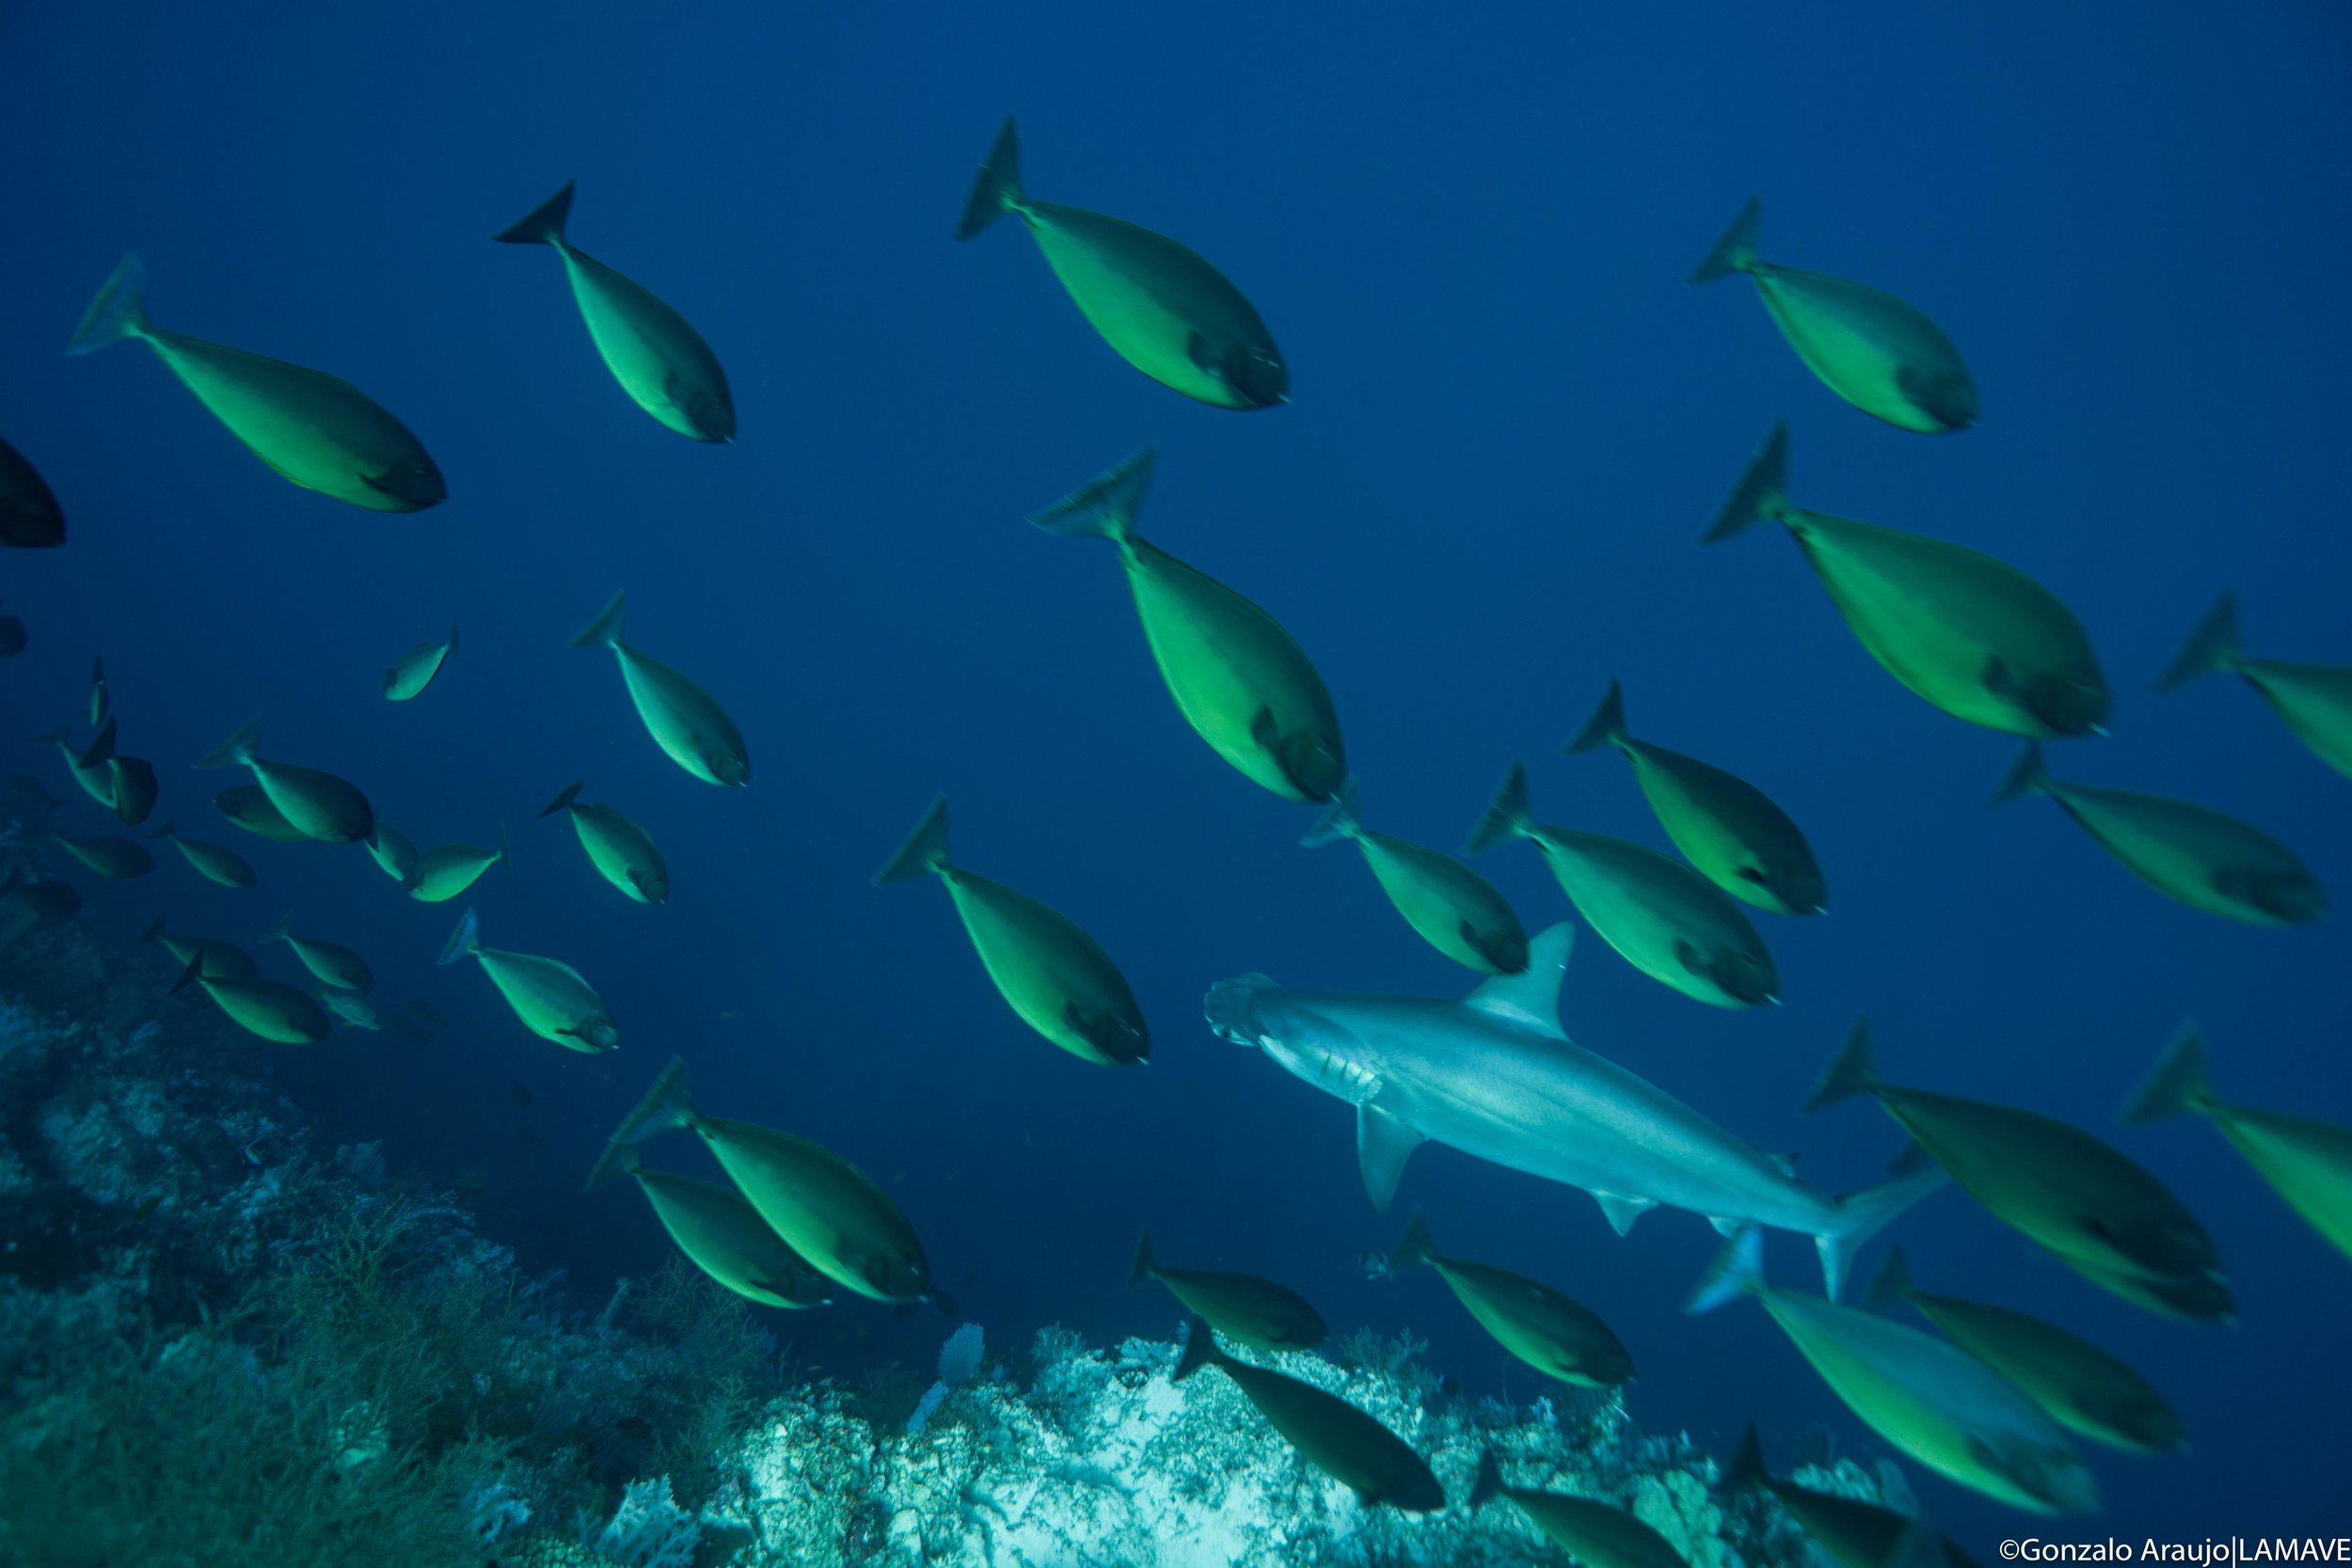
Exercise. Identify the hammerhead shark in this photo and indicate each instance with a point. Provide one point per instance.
(1494, 1075)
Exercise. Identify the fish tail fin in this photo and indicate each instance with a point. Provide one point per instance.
(1507, 814)
(237, 749)
(2214, 645)
(275, 933)
(451, 652)
(2176, 1083)
(1106, 505)
(1415, 1249)
(605, 631)
(1762, 493)
(1736, 250)
(191, 976)
(924, 851)
(1606, 727)
(503, 857)
(1891, 1284)
(1338, 819)
(1489, 1480)
(2027, 775)
(618, 1159)
(154, 932)
(564, 802)
(164, 832)
(545, 226)
(1746, 1472)
(668, 1105)
(997, 187)
(1737, 1270)
(1862, 1214)
(101, 746)
(1849, 1073)
(120, 311)
(465, 942)
(1145, 1266)
(1200, 1348)
(61, 735)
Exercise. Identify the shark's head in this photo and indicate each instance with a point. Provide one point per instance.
(1252, 1010)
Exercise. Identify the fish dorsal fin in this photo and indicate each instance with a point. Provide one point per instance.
(1621, 1211)
(1383, 1143)
(1532, 997)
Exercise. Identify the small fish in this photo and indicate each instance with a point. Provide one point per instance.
(686, 721)
(321, 805)
(1875, 351)
(1048, 970)
(120, 858)
(30, 517)
(1556, 1335)
(332, 963)
(1167, 312)
(721, 1233)
(264, 1007)
(391, 852)
(405, 1026)
(131, 780)
(1258, 1312)
(221, 959)
(1374, 1264)
(248, 806)
(2315, 699)
(316, 429)
(1597, 1534)
(623, 853)
(88, 766)
(213, 862)
(1450, 907)
(147, 1206)
(428, 1012)
(550, 996)
(442, 874)
(413, 670)
(25, 904)
(352, 1007)
(660, 361)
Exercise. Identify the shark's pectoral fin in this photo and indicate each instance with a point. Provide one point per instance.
(1532, 995)
(1621, 1211)
(1383, 1143)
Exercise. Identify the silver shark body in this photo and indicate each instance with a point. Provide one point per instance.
(1493, 1075)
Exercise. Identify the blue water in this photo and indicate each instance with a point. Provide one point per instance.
(1512, 419)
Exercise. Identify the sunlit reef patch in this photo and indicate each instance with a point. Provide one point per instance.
(224, 1333)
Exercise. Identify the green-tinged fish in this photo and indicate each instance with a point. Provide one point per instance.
(222, 960)
(413, 670)
(1167, 312)
(405, 1026)
(1663, 917)
(331, 962)
(622, 852)
(1557, 1336)
(351, 1007)
(443, 874)
(121, 859)
(2089, 1205)
(1047, 970)
(265, 1007)
(89, 767)
(1258, 1312)
(100, 699)
(1855, 1534)
(1973, 635)
(660, 361)
(248, 806)
(320, 805)
(1240, 681)
(428, 1012)
(316, 430)
(824, 1208)
(2315, 699)
(131, 782)
(30, 517)
(390, 849)
(1723, 824)
(1453, 908)
(211, 861)
(2205, 858)
(720, 1232)
(1875, 351)
(1332, 1434)
(682, 717)
(1933, 1400)
(24, 904)
(548, 995)
(1597, 1534)
(2085, 1389)
(2306, 1160)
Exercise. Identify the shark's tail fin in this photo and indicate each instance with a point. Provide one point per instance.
(1508, 815)
(1862, 1214)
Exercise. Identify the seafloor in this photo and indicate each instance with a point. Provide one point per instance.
(222, 1341)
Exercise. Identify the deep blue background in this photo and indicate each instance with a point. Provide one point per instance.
(1512, 419)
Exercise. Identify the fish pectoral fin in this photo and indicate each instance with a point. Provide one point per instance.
(1105, 1031)
(1750, 874)
(1621, 1211)
(1383, 1143)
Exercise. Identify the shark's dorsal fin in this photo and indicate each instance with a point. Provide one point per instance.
(1621, 1211)
(1531, 997)
(1383, 1143)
